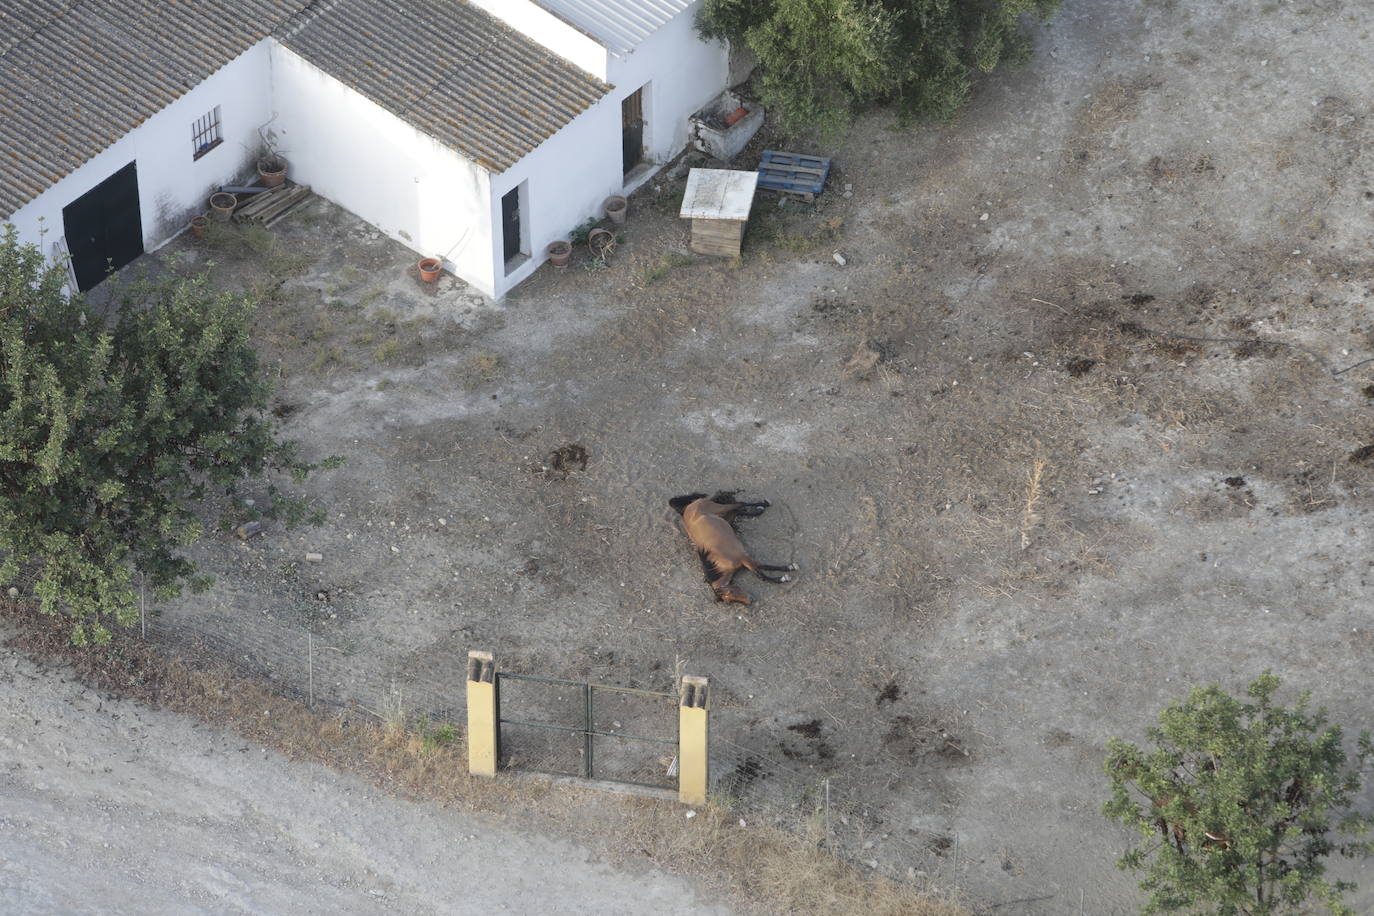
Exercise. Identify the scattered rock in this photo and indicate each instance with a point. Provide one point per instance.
(840, 259)
(248, 530)
(13, 592)
(314, 557)
(1234, 481)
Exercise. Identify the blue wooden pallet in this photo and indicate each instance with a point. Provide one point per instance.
(793, 173)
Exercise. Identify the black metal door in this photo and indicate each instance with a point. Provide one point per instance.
(510, 222)
(104, 227)
(632, 129)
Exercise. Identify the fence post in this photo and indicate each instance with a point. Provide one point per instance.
(693, 714)
(482, 714)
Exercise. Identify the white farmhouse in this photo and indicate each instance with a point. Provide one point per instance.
(474, 130)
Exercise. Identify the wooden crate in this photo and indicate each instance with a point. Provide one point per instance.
(717, 236)
(717, 202)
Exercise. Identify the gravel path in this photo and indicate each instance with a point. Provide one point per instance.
(107, 806)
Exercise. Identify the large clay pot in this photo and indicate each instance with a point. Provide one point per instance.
(616, 207)
(222, 205)
(559, 252)
(272, 171)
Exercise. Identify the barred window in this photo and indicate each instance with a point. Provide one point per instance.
(205, 133)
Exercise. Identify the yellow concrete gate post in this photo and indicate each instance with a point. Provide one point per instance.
(482, 715)
(693, 715)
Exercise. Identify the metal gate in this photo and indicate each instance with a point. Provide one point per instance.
(574, 728)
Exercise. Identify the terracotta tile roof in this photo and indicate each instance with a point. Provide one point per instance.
(449, 69)
(76, 75)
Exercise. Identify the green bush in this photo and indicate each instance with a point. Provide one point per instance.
(113, 429)
(1239, 804)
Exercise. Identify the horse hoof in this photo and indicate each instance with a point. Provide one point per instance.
(784, 578)
(792, 566)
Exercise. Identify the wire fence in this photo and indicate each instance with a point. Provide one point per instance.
(605, 741)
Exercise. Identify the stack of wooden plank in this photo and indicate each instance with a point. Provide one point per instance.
(270, 207)
(793, 173)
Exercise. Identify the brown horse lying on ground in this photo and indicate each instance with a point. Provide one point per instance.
(709, 524)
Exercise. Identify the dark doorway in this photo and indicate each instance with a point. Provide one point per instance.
(632, 129)
(104, 227)
(510, 222)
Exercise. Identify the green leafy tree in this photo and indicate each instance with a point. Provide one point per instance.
(1239, 804)
(114, 428)
(821, 59)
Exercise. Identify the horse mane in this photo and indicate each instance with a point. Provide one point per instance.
(682, 502)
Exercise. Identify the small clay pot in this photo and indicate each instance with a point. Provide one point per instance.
(199, 224)
(272, 171)
(616, 207)
(430, 268)
(559, 252)
(222, 205)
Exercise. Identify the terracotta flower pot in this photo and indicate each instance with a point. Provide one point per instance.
(559, 252)
(222, 205)
(199, 224)
(616, 208)
(430, 268)
(600, 242)
(272, 171)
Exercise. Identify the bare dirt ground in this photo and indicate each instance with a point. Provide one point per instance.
(1032, 511)
(112, 807)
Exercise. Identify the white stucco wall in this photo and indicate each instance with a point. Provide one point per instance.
(551, 32)
(573, 172)
(357, 154)
(172, 186)
(683, 73)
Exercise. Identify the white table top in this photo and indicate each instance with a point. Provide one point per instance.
(718, 194)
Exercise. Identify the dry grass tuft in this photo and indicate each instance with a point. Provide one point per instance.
(783, 872)
(1029, 514)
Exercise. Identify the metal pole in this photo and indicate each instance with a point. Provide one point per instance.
(310, 662)
(587, 756)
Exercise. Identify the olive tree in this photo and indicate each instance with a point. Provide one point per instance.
(113, 429)
(821, 59)
(1239, 804)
